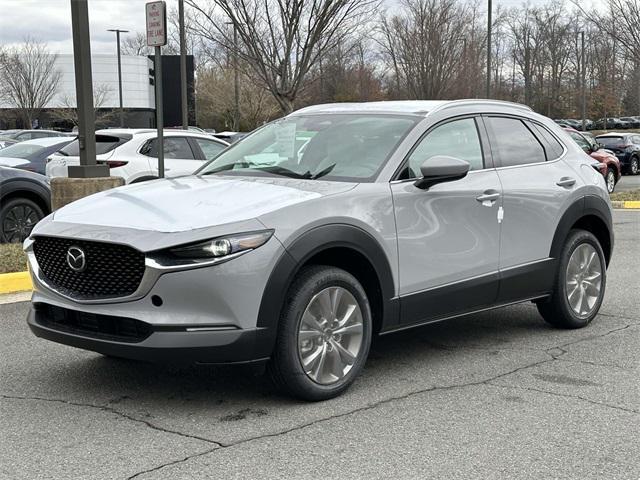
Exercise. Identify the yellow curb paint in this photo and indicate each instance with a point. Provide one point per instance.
(15, 282)
(632, 204)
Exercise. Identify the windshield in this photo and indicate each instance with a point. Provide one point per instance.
(611, 141)
(343, 147)
(20, 150)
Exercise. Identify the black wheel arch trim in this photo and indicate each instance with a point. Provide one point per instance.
(298, 252)
(11, 187)
(589, 205)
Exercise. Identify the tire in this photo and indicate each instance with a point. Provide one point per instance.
(305, 299)
(557, 309)
(17, 218)
(634, 166)
(610, 180)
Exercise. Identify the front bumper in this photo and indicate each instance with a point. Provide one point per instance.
(198, 315)
(164, 346)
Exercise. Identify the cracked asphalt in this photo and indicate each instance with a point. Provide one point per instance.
(494, 395)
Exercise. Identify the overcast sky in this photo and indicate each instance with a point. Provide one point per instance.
(50, 20)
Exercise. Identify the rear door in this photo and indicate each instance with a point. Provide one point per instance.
(448, 235)
(537, 188)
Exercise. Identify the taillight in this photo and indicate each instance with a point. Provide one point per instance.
(113, 163)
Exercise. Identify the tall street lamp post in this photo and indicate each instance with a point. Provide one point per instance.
(489, 8)
(118, 32)
(183, 67)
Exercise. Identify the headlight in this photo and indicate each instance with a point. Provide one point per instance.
(223, 246)
(209, 252)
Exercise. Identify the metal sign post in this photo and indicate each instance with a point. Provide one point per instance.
(156, 13)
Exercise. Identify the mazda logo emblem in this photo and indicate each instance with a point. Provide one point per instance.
(76, 259)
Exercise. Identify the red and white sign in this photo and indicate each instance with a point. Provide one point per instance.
(156, 24)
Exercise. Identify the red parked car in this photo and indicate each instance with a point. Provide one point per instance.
(609, 163)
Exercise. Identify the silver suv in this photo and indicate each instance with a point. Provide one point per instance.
(336, 223)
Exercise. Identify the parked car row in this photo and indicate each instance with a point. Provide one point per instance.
(10, 137)
(600, 124)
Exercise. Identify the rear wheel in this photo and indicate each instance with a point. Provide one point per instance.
(610, 180)
(634, 166)
(324, 334)
(579, 284)
(17, 218)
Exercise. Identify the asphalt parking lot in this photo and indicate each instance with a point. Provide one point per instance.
(494, 395)
(628, 182)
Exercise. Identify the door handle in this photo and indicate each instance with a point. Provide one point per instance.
(488, 196)
(566, 182)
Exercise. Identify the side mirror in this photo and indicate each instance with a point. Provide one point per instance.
(441, 168)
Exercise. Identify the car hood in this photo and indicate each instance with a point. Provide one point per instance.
(192, 202)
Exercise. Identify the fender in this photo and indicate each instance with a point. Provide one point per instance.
(30, 186)
(588, 205)
(302, 249)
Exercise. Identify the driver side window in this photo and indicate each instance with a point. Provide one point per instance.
(458, 138)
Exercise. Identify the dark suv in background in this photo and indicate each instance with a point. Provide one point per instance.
(625, 146)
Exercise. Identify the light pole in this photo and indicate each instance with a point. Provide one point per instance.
(489, 8)
(183, 67)
(583, 81)
(118, 32)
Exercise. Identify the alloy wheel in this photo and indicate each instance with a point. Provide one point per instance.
(18, 223)
(634, 166)
(584, 279)
(330, 335)
(611, 181)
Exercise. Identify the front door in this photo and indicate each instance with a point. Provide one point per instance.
(448, 235)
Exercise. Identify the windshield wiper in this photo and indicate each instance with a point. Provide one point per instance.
(322, 173)
(276, 170)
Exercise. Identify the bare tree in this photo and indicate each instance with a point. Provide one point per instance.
(68, 111)
(280, 40)
(136, 44)
(29, 78)
(425, 43)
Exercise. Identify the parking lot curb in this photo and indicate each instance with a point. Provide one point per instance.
(626, 204)
(15, 282)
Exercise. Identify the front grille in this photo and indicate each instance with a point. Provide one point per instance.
(105, 327)
(111, 270)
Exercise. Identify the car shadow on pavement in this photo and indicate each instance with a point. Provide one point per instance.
(93, 376)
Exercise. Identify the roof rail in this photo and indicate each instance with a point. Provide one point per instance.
(482, 101)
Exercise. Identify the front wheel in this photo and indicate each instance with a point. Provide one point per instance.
(324, 334)
(579, 284)
(634, 167)
(17, 218)
(610, 180)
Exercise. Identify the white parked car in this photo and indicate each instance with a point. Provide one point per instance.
(133, 153)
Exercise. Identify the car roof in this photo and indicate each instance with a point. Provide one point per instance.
(126, 131)
(47, 141)
(616, 134)
(177, 133)
(407, 107)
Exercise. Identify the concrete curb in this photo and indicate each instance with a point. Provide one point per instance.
(626, 204)
(15, 282)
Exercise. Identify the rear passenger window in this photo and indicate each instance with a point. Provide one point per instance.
(513, 143)
(552, 146)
